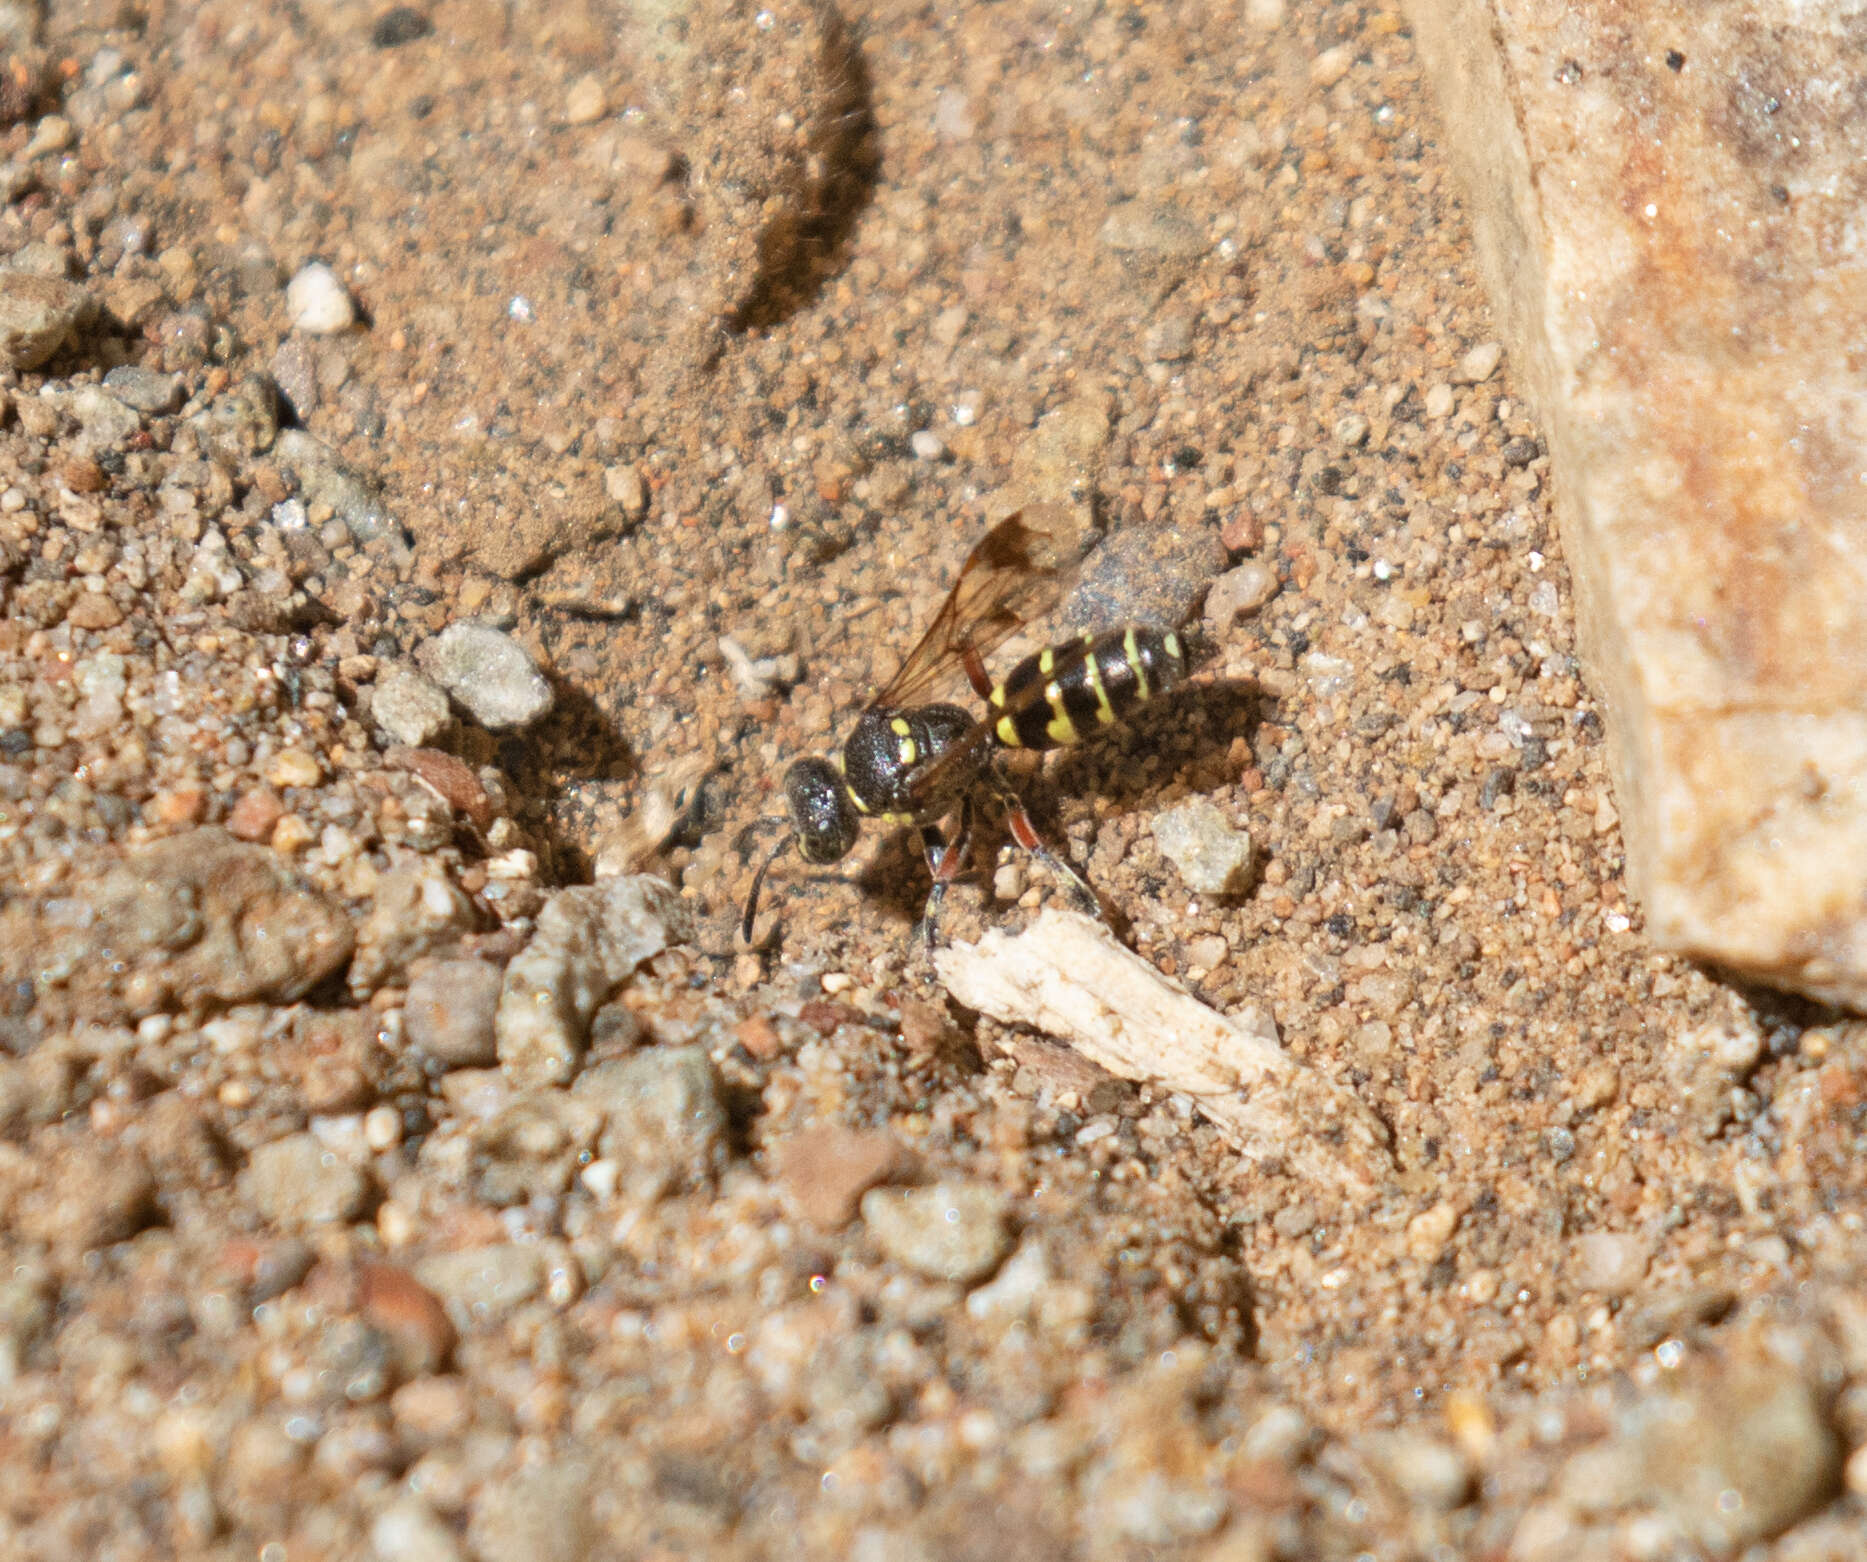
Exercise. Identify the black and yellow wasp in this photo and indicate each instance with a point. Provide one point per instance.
(906, 762)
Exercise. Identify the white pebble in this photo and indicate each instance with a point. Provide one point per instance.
(317, 302)
(586, 102)
(926, 445)
(1481, 362)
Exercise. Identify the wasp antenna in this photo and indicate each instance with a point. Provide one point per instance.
(758, 883)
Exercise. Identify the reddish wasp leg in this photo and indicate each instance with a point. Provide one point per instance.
(1025, 834)
(945, 860)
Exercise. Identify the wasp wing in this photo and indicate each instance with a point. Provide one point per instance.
(1016, 572)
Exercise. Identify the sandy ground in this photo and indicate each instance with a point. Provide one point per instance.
(693, 350)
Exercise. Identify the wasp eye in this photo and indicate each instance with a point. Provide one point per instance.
(821, 812)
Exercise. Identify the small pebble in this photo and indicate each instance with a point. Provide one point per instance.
(665, 1123)
(586, 102)
(1170, 338)
(624, 485)
(953, 1231)
(1439, 401)
(38, 315)
(408, 1531)
(256, 813)
(489, 673)
(1351, 430)
(52, 134)
(316, 302)
(1331, 65)
(824, 1170)
(399, 25)
(296, 1183)
(144, 389)
(1212, 855)
(410, 1315)
(407, 706)
(1610, 1263)
(449, 1013)
(1431, 1473)
(927, 445)
(294, 767)
(1430, 1230)
(1238, 593)
(1481, 362)
(484, 1284)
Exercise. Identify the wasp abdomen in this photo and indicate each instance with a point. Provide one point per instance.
(1061, 695)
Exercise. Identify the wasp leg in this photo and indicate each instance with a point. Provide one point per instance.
(1025, 833)
(945, 860)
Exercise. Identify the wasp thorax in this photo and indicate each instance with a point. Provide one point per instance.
(825, 820)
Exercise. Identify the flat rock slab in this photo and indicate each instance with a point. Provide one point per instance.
(1668, 206)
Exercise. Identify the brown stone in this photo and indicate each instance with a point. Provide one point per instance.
(1665, 204)
(252, 818)
(824, 1171)
(93, 610)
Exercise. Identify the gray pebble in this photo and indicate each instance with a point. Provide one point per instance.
(1238, 593)
(407, 706)
(39, 315)
(664, 1122)
(1144, 575)
(295, 369)
(588, 939)
(953, 1231)
(489, 673)
(1211, 854)
(297, 1183)
(449, 1013)
(106, 420)
(324, 479)
(144, 389)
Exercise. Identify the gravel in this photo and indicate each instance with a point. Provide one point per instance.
(953, 1231)
(407, 706)
(588, 942)
(449, 1012)
(317, 303)
(39, 315)
(298, 1184)
(307, 1242)
(1211, 854)
(489, 674)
